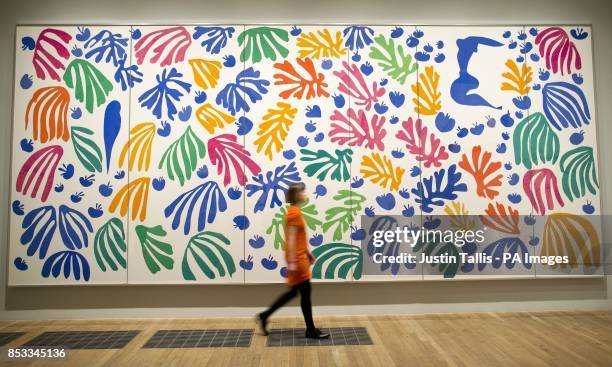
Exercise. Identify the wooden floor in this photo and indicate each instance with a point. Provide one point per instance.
(475, 339)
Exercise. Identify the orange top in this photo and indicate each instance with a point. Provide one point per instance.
(296, 255)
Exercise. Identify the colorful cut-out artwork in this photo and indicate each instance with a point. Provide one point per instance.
(167, 150)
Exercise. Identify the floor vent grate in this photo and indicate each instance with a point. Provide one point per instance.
(338, 336)
(83, 339)
(207, 338)
(8, 336)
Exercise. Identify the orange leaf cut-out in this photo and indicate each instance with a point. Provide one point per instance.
(481, 168)
(312, 83)
(501, 219)
(49, 114)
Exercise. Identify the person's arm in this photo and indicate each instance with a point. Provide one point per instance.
(291, 248)
(311, 258)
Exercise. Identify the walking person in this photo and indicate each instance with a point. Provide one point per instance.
(298, 259)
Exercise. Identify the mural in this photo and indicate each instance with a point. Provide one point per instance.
(167, 150)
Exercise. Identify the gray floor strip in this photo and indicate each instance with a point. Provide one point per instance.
(205, 338)
(83, 339)
(338, 336)
(8, 336)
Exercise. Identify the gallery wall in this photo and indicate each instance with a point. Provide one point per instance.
(261, 108)
(183, 156)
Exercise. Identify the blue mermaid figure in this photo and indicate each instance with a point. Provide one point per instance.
(466, 82)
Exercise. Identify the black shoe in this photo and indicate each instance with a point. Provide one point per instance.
(316, 334)
(262, 322)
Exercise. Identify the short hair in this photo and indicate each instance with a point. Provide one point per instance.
(293, 191)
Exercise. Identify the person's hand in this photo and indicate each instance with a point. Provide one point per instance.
(311, 258)
(291, 269)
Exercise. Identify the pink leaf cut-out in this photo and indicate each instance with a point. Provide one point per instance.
(542, 181)
(354, 85)
(356, 130)
(558, 50)
(223, 150)
(39, 167)
(51, 45)
(415, 136)
(171, 43)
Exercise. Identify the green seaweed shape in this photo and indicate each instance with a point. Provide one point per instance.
(88, 82)
(154, 251)
(86, 150)
(323, 162)
(439, 248)
(394, 61)
(110, 245)
(579, 173)
(341, 217)
(535, 141)
(264, 41)
(181, 157)
(336, 260)
(207, 250)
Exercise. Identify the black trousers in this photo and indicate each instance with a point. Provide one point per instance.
(304, 290)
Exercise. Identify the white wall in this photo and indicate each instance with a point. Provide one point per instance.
(417, 297)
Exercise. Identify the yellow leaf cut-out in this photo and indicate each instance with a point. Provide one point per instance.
(134, 197)
(458, 216)
(519, 80)
(139, 146)
(273, 130)
(210, 117)
(379, 170)
(205, 72)
(427, 99)
(573, 236)
(320, 45)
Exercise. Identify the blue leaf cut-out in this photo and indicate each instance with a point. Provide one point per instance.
(165, 93)
(427, 194)
(107, 43)
(247, 82)
(508, 245)
(357, 37)
(214, 38)
(565, 105)
(74, 228)
(39, 225)
(386, 223)
(112, 125)
(212, 201)
(272, 183)
(127, 76)
(71, 262)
